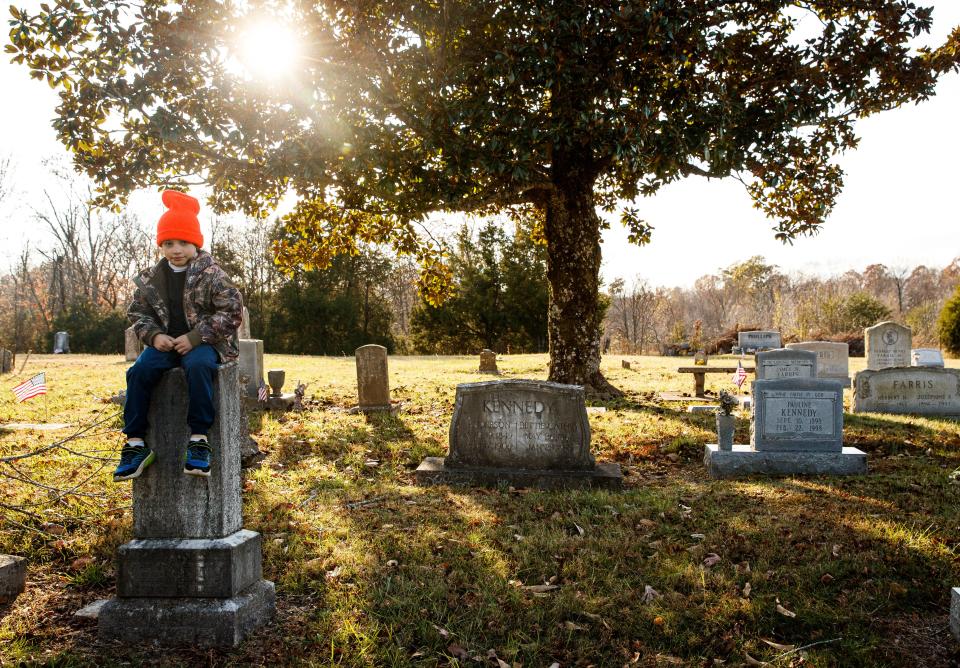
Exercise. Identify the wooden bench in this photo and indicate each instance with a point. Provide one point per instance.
(700, 374)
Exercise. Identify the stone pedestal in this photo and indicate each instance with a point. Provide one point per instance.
(13, 577)
(744, 460)
(192, 576)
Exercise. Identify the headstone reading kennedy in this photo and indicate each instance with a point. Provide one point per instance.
(192, 574)
(520, 432)
(887, 345)
(908, 390)
(797, 429)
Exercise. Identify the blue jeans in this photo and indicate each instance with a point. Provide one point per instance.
(198, 365)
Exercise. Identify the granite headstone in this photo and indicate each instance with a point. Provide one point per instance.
(786, 363)
(244, 331)
(910, 390)
(13, 577)
(931, 357)
(132, 347)
(758, 340)
(251, 364)
(488, 362)
(833, 358)
(373, 378)
(887, 345)
(61, 342)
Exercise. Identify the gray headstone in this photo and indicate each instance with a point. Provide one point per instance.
(488, 362)
(955, 612)
(244, 331)
(744, 461)
(131, 345)
(910, 390)
(786, 363)
(169, 504)
(192, 576)
(61, 342)
(373, 379)
(758, 340)
(6, 361)
(833, 358)
(251, 364)
(926, 357)
(887, 345)
(797, 415)
(13, 577)
(520, 432)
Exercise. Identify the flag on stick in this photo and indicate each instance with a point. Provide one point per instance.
(31, 387)
(739, 375)
(262, 392)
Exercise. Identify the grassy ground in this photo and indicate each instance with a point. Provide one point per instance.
(677, 569)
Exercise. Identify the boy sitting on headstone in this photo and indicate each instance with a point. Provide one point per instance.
(186, 312)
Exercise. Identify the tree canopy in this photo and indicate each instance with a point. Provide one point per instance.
(557, 107)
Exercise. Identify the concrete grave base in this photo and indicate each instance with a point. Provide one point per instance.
(955, 612)
(743, 461)
(434, 471)
(282, 402)
(198, 622)
(13, 577)
(197, 567)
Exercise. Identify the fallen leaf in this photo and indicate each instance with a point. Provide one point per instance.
(650, 594)
(539, 589)
(518, 536)
(392, 563)
(596, 618)
(836, 549)
(335, 573)
(698, 536)
(712, 559)
(753, 662)
(778, 646)
(578, 528)
(646, 524)
(746, 590)
(555, 664)
(897, 588)
(786, 613)
(80, 563)
(443, 632)
(457, 651)
(570, 626)
(658, 621)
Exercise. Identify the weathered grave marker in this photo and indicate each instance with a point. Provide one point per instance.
(930, 357)
(908, 390)
(61, 342)
(488, 362)
(6, 361)
(833, 359)
(132, 347)
(520, 432)
(251, 364)
(13, 577)
(887, 345)
(373, 379)
(192, 574)
(244, 331)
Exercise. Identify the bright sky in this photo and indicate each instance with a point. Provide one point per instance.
(899, 207)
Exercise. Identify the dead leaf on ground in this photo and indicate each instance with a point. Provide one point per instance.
(826, 578)
(753, 662)
(786, 613)
(457, 652)
(443, 632)
(777, 646)
(712, 559)
(335, 573)
(540, 589)
(650, 594)
(746, 590)
(836, 549)
(570, 626)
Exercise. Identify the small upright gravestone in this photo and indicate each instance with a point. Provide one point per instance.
(192, 574)
(796, 429)
(6, 361)
(519, 432)
(786, 363)
(887, 345)
(131, 345)
(928, 357)
(251, 364)
(244, 331)
(61, 343)
(488, 362)
(833, 359)
(373, 379)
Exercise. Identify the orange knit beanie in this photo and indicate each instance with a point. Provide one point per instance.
(180, 220)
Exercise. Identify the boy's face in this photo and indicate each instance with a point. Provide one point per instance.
(177, 252)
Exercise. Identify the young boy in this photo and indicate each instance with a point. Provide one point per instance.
(186, 312)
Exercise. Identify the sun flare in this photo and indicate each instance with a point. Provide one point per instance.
(269, 48)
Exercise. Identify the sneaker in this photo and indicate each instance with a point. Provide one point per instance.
(197, 460)
(133, 460)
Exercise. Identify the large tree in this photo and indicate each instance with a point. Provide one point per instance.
(552, 107)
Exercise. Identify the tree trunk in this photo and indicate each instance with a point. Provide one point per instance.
(574, 316)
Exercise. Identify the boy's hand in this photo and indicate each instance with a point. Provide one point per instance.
(182, 344)
(163, 342)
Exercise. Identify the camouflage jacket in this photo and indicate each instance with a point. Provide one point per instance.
(212, 305)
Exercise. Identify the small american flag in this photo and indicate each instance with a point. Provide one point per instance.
(739, 375)
(262, 392)
(31, 387)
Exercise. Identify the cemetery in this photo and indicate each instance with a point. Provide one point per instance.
(458, 508)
